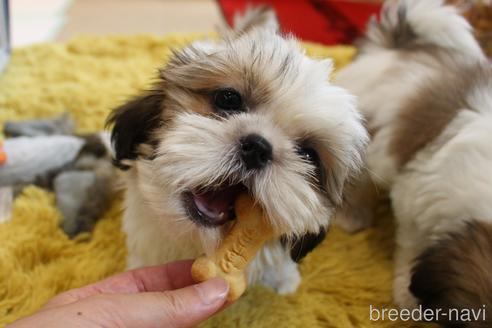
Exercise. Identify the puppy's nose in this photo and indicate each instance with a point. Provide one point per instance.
(256, 151)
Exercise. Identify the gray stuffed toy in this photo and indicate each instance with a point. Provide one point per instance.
(77, 168)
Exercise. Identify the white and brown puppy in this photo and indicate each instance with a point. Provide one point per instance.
(252, 113)
(425, 89)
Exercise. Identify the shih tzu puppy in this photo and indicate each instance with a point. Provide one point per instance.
(250, 112)
(425, 90)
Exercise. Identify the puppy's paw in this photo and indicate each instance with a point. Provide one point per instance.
(284, 279)
(402, 295)
(290, 282)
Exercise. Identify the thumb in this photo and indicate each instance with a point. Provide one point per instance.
(185, 307)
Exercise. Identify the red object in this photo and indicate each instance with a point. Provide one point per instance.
(323, 21)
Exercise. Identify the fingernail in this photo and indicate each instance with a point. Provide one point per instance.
(213, 290)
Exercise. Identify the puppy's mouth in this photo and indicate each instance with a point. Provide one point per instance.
(212, 207)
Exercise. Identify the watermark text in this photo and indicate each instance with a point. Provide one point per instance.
(420, 314)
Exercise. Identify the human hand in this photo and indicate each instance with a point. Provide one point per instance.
(161, 296)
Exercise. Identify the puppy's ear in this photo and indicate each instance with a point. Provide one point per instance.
(259, 17)
(133, 124)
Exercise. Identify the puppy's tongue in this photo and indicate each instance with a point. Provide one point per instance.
(217, 205)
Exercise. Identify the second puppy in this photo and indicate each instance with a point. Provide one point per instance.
(425, 90)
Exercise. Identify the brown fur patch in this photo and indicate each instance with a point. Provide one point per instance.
(434, 105)
(456, 273)
(191, 85)
(180, 99)
(93, 145)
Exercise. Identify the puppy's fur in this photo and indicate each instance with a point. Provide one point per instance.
(424, 87)
(173, 141)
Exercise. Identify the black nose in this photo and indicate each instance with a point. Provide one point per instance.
(256, 151)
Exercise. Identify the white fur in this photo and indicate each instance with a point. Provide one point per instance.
(449, 181)
(269, 19)
(195, 151)
(441, 190)
(438, 24)
(432, 21)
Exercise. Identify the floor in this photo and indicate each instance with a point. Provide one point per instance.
(143, 16)
(34, 21)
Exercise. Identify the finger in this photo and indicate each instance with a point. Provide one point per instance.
(181, 308)
(151, 279)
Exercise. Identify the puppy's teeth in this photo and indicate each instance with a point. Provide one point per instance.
(221, 215)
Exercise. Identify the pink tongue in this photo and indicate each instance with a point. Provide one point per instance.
(217, 204)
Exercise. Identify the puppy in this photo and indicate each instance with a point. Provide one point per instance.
(251, 113)
(424, 87)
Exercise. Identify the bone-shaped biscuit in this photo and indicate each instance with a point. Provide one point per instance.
(250, 231)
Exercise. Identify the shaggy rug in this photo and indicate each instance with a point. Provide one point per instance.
(89, 76)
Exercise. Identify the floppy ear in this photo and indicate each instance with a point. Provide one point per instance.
(133, 124)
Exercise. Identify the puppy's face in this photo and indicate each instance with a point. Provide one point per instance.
(249, 114)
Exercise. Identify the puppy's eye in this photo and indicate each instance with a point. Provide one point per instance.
(228, 100)
(310, 155)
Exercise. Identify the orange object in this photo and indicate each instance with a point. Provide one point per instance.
(3, 154)
(250, 231)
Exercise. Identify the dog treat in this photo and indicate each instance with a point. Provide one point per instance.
(250, 231)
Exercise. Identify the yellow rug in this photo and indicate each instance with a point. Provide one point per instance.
(87, 77)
